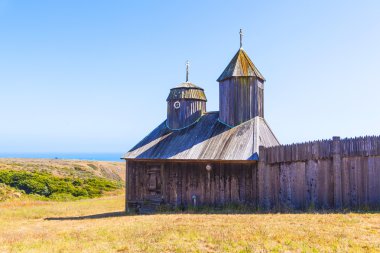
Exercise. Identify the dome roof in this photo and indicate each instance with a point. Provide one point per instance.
(187, 85)
(187, 90)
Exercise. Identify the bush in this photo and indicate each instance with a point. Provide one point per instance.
(32, 186)
(48, 185)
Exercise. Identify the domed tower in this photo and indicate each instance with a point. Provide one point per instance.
(186, 103)
(241, 90)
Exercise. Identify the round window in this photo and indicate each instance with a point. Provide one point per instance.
(177, 104)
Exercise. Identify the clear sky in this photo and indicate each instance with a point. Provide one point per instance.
(93, 76)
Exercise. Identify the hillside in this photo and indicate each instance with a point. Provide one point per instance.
(58, 179)
(78, 168)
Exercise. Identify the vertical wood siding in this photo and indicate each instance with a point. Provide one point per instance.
(189, 112)
(240, 99)
(323, 175)
(225, 183)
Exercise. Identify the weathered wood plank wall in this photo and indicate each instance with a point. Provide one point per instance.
(360, 146)
(323, 174)
(225, 183)
(188, 112)
(240, 99)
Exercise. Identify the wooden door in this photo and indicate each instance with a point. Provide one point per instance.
(154, 181)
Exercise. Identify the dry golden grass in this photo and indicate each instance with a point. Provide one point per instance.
(98, 225)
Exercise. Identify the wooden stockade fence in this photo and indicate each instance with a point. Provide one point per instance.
(337, 173)
(322, 149)
(361, 146)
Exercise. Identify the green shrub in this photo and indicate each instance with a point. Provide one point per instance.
(59, 188)
(32, 186)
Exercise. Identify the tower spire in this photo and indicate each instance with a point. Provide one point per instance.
(241, 38)
(187, 71)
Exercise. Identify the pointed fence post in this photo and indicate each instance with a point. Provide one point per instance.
(337, 170)
(263, 181)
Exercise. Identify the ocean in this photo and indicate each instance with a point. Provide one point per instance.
(71, 156)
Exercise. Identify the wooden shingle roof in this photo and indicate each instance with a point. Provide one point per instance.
(187, 90)
(208, 139)
(240, 65)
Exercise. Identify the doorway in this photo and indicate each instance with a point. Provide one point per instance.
(154, 181)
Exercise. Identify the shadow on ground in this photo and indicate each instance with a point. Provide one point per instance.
(89, 217)
(224, 212)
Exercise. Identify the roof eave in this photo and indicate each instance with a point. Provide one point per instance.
(190, 160)
(221, 79)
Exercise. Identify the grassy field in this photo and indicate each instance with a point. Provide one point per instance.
(99, 225)
(28, 224)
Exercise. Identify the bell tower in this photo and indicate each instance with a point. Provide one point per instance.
(186, 103)
(241, 90)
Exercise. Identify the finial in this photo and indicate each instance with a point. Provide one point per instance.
(187, 71)
(241, 37)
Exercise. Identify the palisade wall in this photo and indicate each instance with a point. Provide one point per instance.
(337, 173)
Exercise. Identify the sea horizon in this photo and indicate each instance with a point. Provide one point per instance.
(91, 156)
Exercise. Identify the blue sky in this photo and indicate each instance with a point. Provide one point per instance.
(93, 76)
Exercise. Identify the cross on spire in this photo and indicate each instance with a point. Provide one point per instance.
(241, 37)
(187, 71)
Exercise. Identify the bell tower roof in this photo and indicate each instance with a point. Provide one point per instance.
(187, 90)
(240, 65)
